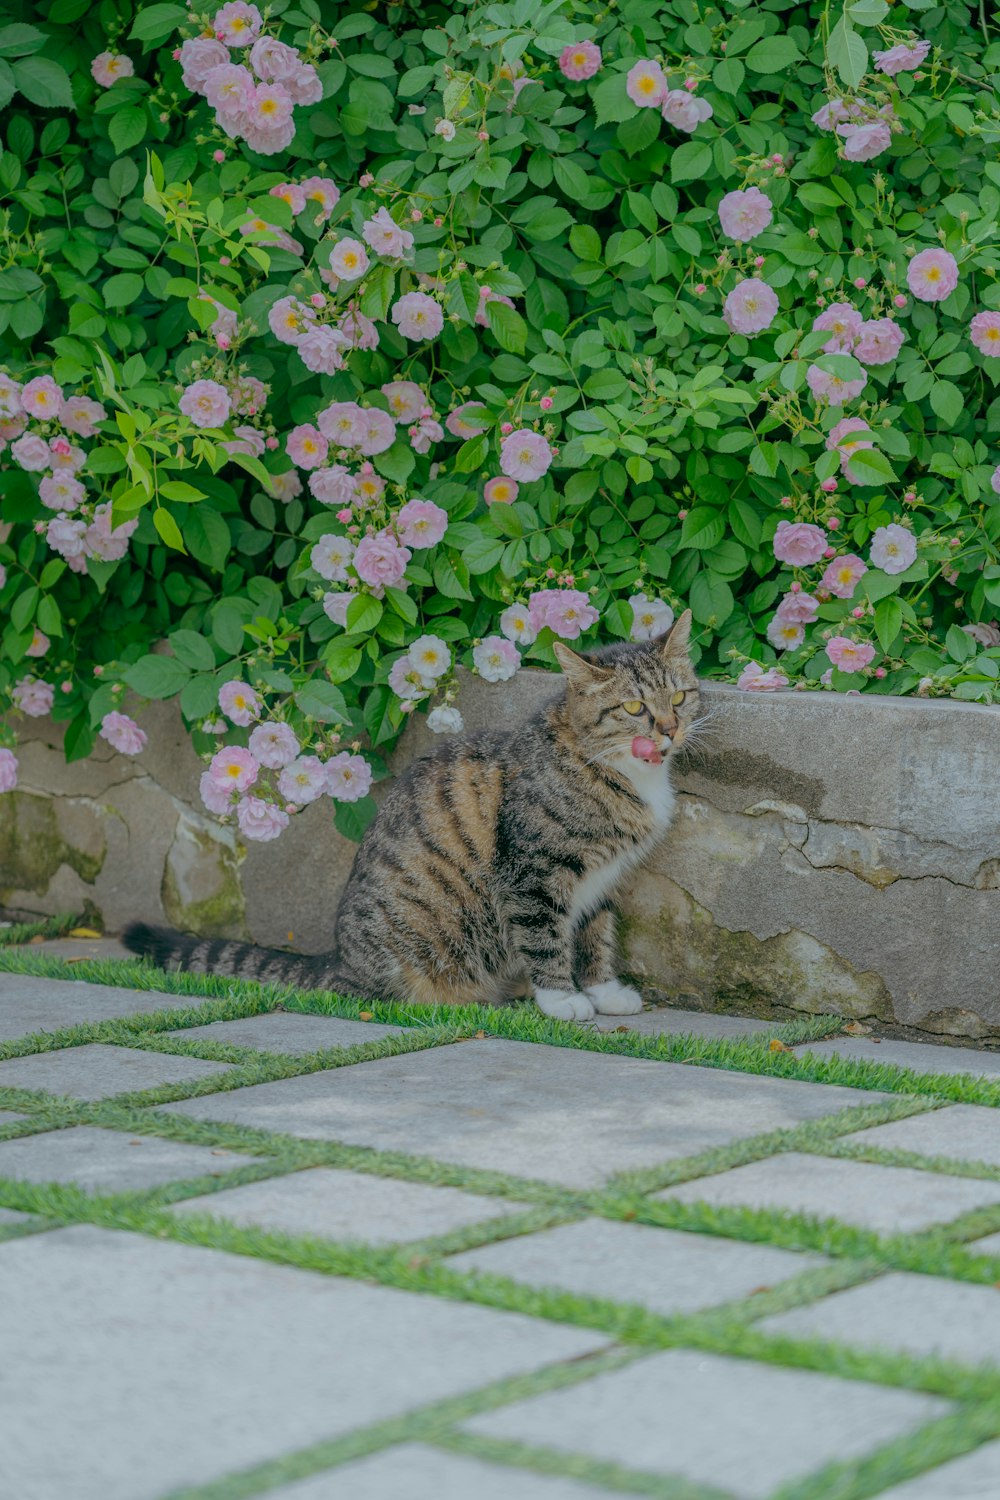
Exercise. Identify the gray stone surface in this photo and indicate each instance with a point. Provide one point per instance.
(902, 1311)
(990, 1245)
(922, 1057)
(866, 883)
(966, 1132)
(564, 1116)
(9, 1117)
(331, 1204)
(662, 1269)
(71, 949)
(137, 1366)
(285, 1031)
(29, 1004)
(663, 1021)
(98, 1071)
(413, 1472)
(890, 1200)
(745, 1427)
(11, 1216)
(974, 1476)
(107, 1161)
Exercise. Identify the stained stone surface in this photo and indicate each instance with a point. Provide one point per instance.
(890, 1200)
(663, 1269)
(745, 1427)
(966, 1132)
(902, 1311)
(413, 1472)
(349, 1206)
(547, 1112)
(136, 1366)
(922, 1057)
(108, 1161)
(286, 1031)
(98, 1071)
(29, 1004)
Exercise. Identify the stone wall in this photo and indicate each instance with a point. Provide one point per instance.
(829, 854)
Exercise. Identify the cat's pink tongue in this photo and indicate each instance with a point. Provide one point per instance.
(644, 749)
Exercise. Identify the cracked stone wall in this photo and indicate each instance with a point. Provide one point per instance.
(829, 854)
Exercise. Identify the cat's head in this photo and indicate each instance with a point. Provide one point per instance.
(635, 700)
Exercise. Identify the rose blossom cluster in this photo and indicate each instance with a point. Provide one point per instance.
(865, 133)
(648, 87)
(39, 422)
(234, 783)
(254, 97)
(378, 560)
(872, 341)
(567, 612)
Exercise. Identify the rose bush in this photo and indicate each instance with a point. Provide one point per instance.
(342, 348)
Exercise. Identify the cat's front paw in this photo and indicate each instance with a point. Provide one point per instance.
(564, 1005)
(612, 998)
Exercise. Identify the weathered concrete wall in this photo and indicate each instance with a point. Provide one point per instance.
(829, 853)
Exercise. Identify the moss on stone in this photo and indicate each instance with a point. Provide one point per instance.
(201, 891)
(33, 846)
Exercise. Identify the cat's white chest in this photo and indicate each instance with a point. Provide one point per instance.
(597, 885)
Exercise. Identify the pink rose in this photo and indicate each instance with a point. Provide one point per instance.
(348, 777)
(579, 61)
(496, 659)
(932, 275)
(343, 423)
(862, 142)
(383, 235)
(306, 446)
(349, 260)
(745, 213)
(984, 331)
(333, 486)
(380, 560)
(784, 634)
(646, 85)
(33, 697)
(321, 349)
(798, 608)
(880, 341)
(406, 399)
(832, 387)
(417, 316)
(684, 111)
(799, 543)
(303, 780)
(844, 323)
(842, 575)
(378, 431)
(525, 455)
(903, 58)
(123, 733)
(232, 768)
(567, 612)
(260, 820)
(216, 797)
(42, 398)
(421, 523)
(751, 307)
(239, 703)
(500, 491)
(206, 402)
(237, 24)
(273, 745)
(848, 655)
(893, 548)
(8, 770)
(754, 679)
(108, 67)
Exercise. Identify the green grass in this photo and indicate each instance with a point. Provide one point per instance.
(629, 1330)
(45, 927)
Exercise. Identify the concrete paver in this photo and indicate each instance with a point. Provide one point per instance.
(29, 1004)
(565, 1116)
(974, 1476)
(286, 1031)
(890, 1200)
(414, 1472)
(922, 1057)
(967, 1132)
(107, 1161)
(99, 1071)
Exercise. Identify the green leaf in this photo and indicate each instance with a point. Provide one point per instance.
(322, 701)
(451, 577)
(157, 676)
(888, 621)
(585, 242)
(127, 128)
(611, 102)
(352, 819)
(193, 650)
(711, 600)
(702, 528)
(227, 628)
(44, 82)
(482, 555)
(18, 39)
(207, 537)
(507, 326)
(363, 613)
(168, 529)
(472, 454)
(960, 647)
(728, 75)
(690, 161)
(154, 23)
(870, 466)
(773, 54)
(848, 53)
(947, 401)
(122, 290)
(199, 697)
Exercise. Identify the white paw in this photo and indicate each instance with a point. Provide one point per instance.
(612, 998)
(564, 1005)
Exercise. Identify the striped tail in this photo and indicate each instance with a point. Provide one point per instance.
(177, 950)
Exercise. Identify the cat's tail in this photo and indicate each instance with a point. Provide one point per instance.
(178, 950)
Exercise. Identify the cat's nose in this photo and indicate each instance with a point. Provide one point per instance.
(668, 727)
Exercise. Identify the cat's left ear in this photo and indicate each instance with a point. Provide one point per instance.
(581, 672)
(674, 644)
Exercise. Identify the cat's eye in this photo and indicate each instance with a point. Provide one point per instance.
(633, 706)
(678, 698)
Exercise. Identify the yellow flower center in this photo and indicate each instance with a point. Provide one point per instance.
(647, 85)
(933, 273)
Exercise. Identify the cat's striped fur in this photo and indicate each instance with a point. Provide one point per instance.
(491, 868)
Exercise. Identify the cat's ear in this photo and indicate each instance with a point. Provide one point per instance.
(674, 644)
(581, 672)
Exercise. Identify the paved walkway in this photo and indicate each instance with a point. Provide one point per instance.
(311, 1255)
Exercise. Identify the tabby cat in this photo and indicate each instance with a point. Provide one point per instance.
(491, 867)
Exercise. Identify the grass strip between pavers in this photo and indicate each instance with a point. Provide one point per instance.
(46, 927)
(858, 1255)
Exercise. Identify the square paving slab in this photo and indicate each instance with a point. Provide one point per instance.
(988, 1246)
(890, 1200)
(29, 1004)
(974, 1476)
(745, 1427)
(967, 1132)
(339, 1205)
(413, 1472)
(666, 1022)
(133, 1366)
(922, 1057)
(286, 1031)
(547, 1112)
(904, 1311)
(8, 1117)
(107, 1161)
(98, 1071)
(663, 1269)
(11, 1216)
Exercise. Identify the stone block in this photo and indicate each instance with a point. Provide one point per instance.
(974, 1476)
(905, 1313)
(547, 1112)
(922, 1057)
(667, 1021)
(10, 1216)
(662, 1269)
(289, 1032)
(744, 1427)
(145, 1366)
(107, 1161)
(890, 1200)
(99, 1072)
(966, 1132)
(30, 1004)
(336, 1205)
(413, 1472)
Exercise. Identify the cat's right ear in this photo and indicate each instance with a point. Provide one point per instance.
(581, 672)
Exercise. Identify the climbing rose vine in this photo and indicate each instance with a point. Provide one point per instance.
(343, 348)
